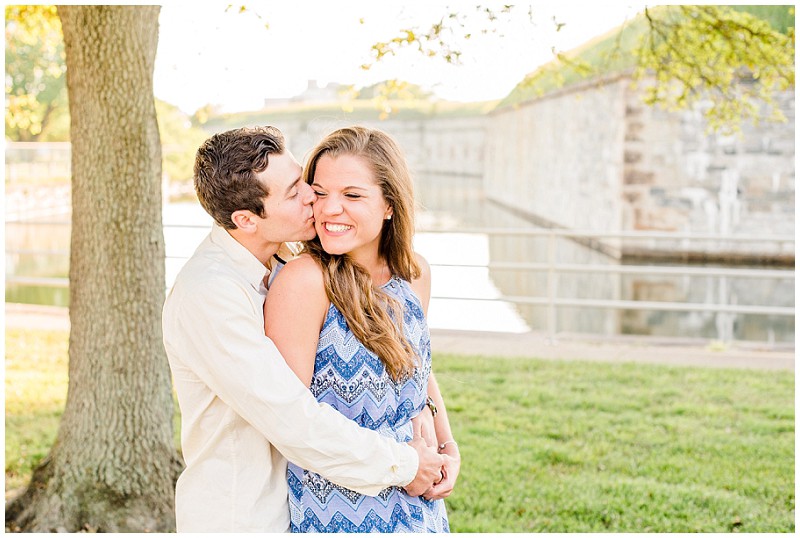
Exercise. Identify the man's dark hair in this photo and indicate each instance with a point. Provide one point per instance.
(225, 171)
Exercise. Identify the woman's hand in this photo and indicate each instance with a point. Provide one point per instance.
(450, 470)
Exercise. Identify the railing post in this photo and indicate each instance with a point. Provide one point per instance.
(551, 287)
(724, 320)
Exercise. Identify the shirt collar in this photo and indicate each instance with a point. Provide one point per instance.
(244, 260)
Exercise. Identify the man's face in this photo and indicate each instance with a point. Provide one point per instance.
(288, 206)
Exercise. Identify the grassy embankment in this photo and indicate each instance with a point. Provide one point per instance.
(615, 51)
(548, 446)
(354, 111)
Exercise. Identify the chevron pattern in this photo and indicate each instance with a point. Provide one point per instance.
(354, 381)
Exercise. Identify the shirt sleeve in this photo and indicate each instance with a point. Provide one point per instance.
(230, 353)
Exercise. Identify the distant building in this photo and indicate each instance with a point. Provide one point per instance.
(276, 101)
(319, 94)
(314, 93)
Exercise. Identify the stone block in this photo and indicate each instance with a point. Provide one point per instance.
(632, 111)
(633, 156)
(633, 132)
(638, 177)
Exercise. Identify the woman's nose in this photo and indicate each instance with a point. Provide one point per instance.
(328, 205)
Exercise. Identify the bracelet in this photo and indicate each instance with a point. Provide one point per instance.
(450, 442)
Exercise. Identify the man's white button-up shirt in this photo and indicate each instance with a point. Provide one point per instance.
(243, 410)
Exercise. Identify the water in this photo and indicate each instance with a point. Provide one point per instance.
(453, 203)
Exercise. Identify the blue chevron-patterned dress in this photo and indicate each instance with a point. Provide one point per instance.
(354, 381)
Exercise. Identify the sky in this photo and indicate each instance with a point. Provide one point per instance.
(209, 54)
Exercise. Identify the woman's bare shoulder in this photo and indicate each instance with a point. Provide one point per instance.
(424, 266)
(302, 271)
(422, 284)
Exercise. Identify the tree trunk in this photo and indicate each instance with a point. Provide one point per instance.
(113, 465)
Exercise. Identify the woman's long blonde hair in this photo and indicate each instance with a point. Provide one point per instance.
(374, 317)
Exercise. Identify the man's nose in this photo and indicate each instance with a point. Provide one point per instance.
(309, 197)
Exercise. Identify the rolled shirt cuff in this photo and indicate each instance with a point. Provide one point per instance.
(407, 463)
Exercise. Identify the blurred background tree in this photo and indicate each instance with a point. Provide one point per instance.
(36, 87)
(36, 91)
(733, 57)
(730, 59)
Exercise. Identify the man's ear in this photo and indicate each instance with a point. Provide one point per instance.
(243, 219)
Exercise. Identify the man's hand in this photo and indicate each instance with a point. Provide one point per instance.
(443, 489)
(423, 426)
(430, 469)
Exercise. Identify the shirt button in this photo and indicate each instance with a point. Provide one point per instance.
(395, 469)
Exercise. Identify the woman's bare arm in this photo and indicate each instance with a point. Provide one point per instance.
(294, 312)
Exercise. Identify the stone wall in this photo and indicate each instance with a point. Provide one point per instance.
(454, 146)
(594, 157)
(302, 135)
(679, 177)
(558, 159)
(440, 145)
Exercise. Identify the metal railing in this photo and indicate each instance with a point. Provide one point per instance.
(552, 268)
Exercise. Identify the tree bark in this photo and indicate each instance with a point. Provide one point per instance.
(113, 465)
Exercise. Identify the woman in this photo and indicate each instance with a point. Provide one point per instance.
(348, 316)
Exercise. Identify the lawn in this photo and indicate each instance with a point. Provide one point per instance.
(548, 446)
(553, 446)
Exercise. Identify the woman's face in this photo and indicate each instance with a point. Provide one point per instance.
(350, 209)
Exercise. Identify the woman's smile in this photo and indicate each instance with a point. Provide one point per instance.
(334, 228)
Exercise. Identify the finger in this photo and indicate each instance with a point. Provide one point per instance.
(441, 477)
(440, 491)
(417, 427)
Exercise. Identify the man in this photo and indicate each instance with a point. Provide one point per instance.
(243, 409)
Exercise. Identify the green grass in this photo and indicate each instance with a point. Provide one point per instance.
(587, 447)
(36, 389)
(549, 446)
